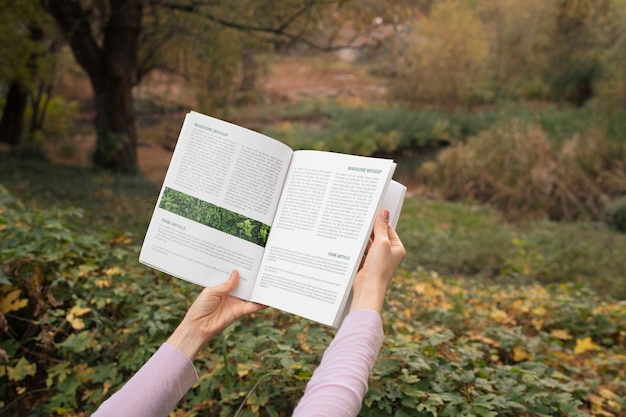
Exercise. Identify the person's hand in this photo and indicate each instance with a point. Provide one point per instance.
(211, 313)
(382, 258)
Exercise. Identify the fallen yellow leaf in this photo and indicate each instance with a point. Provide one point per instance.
(500, 316)
(487, 340)
(519, 306)
(85, 269)
(520, 355)
(540, 311)
(606, 393)
(12, 302)
(73, 317)
(243, 369)
(103, 283)
(76, 322)
(584, 345)
(560, 334)
(114, 270)
(79, 311)
(595, 400)
(538, 323)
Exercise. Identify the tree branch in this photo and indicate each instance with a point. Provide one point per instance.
(74, 23)
(279, 31)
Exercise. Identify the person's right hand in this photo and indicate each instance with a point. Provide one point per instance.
(381, 261)
(212, 311)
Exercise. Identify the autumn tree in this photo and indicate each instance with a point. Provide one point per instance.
(611, 85)
(118, 42)
(577, 47)
(27, 49)
(105, 40)
(557, 50)
(518, 33)
(445, 59)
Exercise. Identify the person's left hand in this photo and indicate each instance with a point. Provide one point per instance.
(211, 313)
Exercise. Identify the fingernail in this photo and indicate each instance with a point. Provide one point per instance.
(385, 214)
(232, 274)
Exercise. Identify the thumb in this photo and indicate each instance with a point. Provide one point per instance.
(381, 225)
(229, 285)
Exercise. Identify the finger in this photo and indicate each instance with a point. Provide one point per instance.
(381, 225)
(396, 244)
(227, 286)
(393, 236)
(253, 307)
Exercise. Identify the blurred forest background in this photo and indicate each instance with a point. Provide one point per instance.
(507, 119)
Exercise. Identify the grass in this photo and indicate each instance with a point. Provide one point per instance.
(457, 239)
(451, 238)
(109, 202)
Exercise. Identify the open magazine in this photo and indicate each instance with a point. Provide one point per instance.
(294, 223)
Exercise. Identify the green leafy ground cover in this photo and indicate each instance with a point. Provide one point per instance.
(480, 337)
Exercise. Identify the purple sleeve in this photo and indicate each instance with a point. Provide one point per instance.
(339, 384)
(155, 389)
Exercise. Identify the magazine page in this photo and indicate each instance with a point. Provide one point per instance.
(217, 203)
(393, 200)
(322, 225)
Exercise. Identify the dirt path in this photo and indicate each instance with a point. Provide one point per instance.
(295, 77)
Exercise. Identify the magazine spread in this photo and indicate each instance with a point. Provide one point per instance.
(294, 223)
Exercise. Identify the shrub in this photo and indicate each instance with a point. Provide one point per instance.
(58, 123)
(616, 214)
(78, 315)
(367, 129)
(380, 130)
(446, 59)
(589, 171)
(514, 167)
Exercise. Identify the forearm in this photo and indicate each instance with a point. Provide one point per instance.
(155, 389)
(339, 384)
(368, 294)
(188, 339)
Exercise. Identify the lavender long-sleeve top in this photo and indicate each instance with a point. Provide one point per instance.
(337, 387)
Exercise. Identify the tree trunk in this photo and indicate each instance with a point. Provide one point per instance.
(112, 70)
(12, 122)
(115, 116)
(116, 146)
(250, 70)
